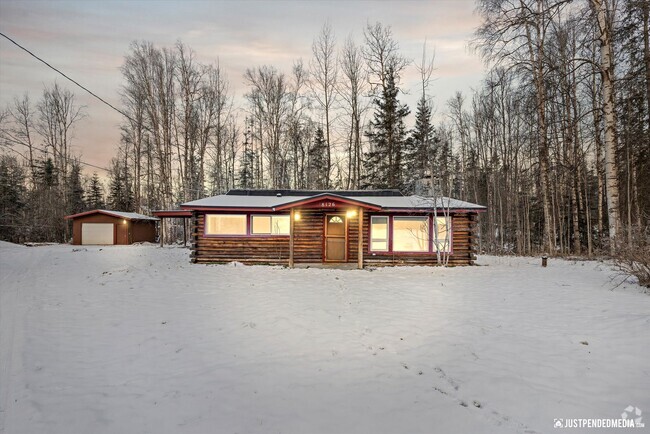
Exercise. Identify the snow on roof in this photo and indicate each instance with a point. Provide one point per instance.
(118, 214)
(129, 215)
(385, 202)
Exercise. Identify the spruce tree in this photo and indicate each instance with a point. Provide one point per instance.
(120, 193)
(12, 199)
(421, 146)
(247, 164)
(317, 170)
(387, 136)
(75, 191)
(95, 195)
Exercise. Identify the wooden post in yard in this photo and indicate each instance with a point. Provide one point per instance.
(360, 236)
(184, 232)
(291, 227)
(162, 230)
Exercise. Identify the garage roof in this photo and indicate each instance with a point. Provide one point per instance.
(116, 214)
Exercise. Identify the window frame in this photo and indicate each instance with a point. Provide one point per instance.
(270, 234)
(208, 234)
(249, 225)
(432, 247)
(412, 217)
(449, 223)
(388, 234)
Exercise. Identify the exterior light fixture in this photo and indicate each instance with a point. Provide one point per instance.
(296, 216)
(351, 214)
(124, 221)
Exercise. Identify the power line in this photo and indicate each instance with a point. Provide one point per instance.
(77, 84)
(66, 76)
(67, 158)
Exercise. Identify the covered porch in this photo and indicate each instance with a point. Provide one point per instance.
(329, 225)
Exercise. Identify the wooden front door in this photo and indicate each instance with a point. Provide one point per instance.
(336, 238)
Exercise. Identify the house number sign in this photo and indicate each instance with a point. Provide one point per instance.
(328, 204)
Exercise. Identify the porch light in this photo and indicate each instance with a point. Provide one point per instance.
(296, 216)
(351, 214)
(124, 221)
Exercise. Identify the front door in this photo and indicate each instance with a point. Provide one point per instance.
(335, 238)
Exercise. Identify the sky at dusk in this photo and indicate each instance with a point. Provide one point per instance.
(88, 40)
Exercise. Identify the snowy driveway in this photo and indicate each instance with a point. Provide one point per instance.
(134, 339)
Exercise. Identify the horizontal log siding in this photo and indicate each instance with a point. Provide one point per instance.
(308, 234)
(309, 239)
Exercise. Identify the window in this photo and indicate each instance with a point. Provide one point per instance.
(270, 224)
(225, 224)
(442, 229)
(379, 233)
(410, 234)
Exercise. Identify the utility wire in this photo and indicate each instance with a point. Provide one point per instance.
(67, 77)
(77, 84)
(67, 158)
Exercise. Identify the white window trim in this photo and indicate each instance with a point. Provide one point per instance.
(387, 239)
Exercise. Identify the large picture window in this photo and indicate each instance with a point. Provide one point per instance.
(379, 233)
(442, 231)
(270, 224)
(410, 234)
(225, 224)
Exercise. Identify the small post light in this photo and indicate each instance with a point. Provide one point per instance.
(544, 260)
(296, 216)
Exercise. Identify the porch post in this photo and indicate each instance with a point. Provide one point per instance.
(360, 237)
(291, 227)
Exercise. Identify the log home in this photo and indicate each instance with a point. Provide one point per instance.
(287, 227)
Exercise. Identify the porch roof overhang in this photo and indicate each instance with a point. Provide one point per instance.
(172, 213)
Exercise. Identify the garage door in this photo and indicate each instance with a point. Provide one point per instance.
(97, 233)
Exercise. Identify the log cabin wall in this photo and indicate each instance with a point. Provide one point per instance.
(309, 243)
(309, 236)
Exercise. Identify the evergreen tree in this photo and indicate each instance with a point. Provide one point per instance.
(317, 170)
(75, 191)
(95, 194)
(420, 148)
(387, 135)
(12, 198)
(46, 207)
(247, 164)
(120, 192)
(47, 175)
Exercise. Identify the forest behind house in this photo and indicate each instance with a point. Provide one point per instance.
(555, 142)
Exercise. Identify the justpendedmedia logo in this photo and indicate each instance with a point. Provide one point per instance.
(633, 413)
(630, 418)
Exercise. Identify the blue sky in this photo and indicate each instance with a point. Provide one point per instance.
(88, 40)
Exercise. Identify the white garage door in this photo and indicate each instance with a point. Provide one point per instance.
(97, 233)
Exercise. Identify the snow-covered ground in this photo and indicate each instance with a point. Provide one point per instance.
(135, 339)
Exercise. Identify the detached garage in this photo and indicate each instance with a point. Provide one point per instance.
(104, 227)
